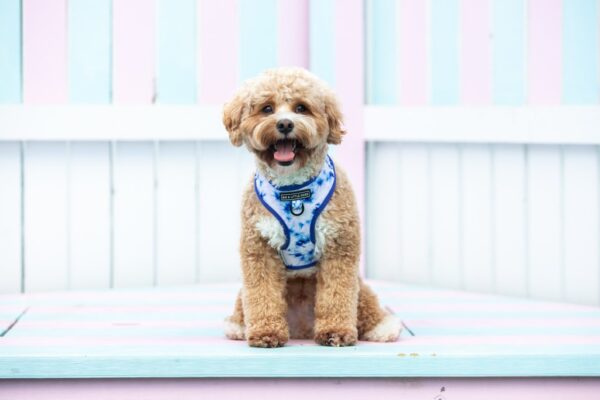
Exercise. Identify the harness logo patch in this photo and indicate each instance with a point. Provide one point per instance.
(297, 195)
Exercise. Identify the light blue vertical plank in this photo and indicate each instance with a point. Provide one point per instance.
(89, 57)
(176, 81)
(444, 52)
(580, 52)
(322, 40)
(10, 51)
(258, 36)
(509, 52)
(383, 42)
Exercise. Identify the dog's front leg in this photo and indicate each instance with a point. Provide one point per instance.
(263, 297)
(336, 302)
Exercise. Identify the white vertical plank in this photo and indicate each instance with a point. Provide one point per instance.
(219, 212)
(477, 218)
(582, 274)
(89, 215)
(415, 212)
(510, 269)
(176, 229)
(46, 204)
(10, 217)
(544, 212)
(383, 211)
(133, 215)
(445, 198)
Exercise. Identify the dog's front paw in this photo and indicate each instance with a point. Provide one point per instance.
(337, 337)
(267, 337)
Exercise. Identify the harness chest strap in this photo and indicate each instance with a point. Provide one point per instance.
(297, 208)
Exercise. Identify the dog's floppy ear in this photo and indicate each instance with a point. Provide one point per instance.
(334, 119)
(232, 118)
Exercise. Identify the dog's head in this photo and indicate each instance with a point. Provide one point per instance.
(284, 116)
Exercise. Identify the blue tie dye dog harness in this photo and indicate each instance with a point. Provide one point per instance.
(297, 208)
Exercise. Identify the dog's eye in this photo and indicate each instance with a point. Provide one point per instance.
(267, 109)
(300, 108)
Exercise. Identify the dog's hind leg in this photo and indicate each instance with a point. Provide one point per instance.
(234, 325)
(375, 324)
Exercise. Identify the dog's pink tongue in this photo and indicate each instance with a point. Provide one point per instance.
(284, 151)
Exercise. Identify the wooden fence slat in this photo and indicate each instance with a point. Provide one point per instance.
(134, 215)
(510, 248)
(176, 211)
(475, 57)
(217, 59)
(477, 218)
(10, 51)
(89, 51)
(176, 51)
(543, 54)
(46, 205)
(219, 212)
(383, 52)
(445, 198)
(258, 37)
(89, 215)
(415, 209)
(384, 218)
(10, 217)
(134, 52)
(414, 37)
(444, 52)
(44, 51)
(508, 28)
(581, 224)
(545, 222)
(292, 33)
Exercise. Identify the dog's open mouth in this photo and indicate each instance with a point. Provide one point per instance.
(284, 151)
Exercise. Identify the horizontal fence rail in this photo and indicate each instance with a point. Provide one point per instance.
(527, 124)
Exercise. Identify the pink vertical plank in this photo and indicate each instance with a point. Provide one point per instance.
(133, 51)
(44, 51)
(349, 86)
(413, 52)
(218, 50)
(292, 33)
(475, 52)
(544, 74)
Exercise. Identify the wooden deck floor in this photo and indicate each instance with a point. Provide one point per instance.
(177, 333)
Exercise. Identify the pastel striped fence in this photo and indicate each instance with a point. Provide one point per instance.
(112, 146)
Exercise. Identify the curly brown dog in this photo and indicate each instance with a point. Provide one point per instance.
(300, 239)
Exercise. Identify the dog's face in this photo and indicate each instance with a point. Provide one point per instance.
(284, 116)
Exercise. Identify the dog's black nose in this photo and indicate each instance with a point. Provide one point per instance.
(285, 126)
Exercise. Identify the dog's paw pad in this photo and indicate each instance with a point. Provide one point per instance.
(336, 339)
(267, 340)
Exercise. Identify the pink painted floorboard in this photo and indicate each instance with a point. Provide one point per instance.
(44, 51)
(134, 52)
